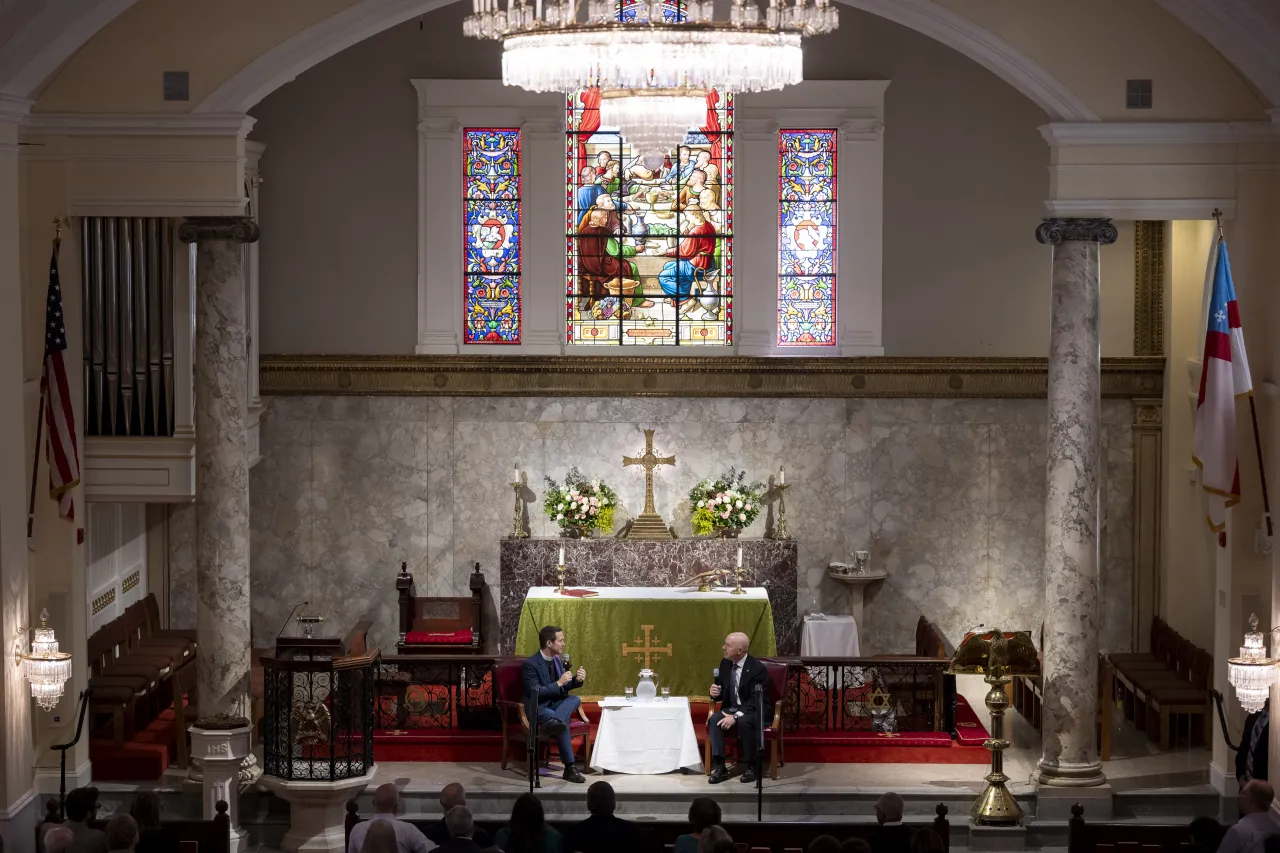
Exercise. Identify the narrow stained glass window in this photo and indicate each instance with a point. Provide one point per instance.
(649, 239)
(806, 238)
(491, 234)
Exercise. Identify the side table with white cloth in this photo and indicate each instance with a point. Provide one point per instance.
(645, 738)
(832, 637)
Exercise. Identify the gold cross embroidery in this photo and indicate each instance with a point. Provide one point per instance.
(650, 648)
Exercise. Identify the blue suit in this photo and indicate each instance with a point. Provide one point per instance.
(550, 701)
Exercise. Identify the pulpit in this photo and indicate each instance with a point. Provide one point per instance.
(435, 625)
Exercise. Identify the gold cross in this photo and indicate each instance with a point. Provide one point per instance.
(649, 461)
(649, 649)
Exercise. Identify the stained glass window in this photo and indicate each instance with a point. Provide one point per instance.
(639, 11)
(649, 240)
(806, 238)
(491, 234)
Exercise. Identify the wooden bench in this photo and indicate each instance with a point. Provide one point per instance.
(1085, 837)
(751, 836)
(1172, 681)
(193, 836)
(440, 625)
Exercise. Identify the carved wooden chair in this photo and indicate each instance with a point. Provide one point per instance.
(508, 676)
(772, 733)
(439, 625)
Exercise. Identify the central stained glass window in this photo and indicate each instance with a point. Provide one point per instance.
(649, 240)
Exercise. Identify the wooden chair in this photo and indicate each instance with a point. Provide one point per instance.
(508, 676)
(1122, 837)
(437, 625)
(773, 732)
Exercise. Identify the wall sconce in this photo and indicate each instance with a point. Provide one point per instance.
(1253, 673)
(44, 666)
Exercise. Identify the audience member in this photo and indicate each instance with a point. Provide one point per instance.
(527, 832)
(703, 812)
(855, 845)
(603, 832)
(824, 844)
(927, 840)
(58, 839)
(81, 805)
(1248, 834)
(712, 838)
(1251, 757)
(152, 836)
(381, 838)
(892, 836)
(451, 796)
(1206, 834)
(462, 831)
(409, 839)
(122, 833)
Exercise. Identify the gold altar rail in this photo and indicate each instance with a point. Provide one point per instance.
(688, 376)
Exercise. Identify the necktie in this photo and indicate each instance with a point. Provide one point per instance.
(737, 676)
(1255, 736)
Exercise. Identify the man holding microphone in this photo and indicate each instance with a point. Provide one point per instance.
(547, 683)
(735, 686)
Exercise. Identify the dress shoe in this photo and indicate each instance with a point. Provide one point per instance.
(571, 774)
(555, 728)
(749, 776)
(718, 774)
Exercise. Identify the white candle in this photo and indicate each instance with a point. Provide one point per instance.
(517, 474)
(739, 556)
(537, 13)
(562, 555)
(475, 7)
(782, 477)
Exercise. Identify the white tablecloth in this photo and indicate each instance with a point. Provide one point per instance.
(648, 592)
(834, 637)
(645, 738)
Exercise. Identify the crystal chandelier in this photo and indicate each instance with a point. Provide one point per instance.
(1253, 673)
(44, 666)
(652, 119)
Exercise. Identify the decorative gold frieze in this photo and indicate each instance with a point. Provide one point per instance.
(1148, 288)
(687, 376)
(104, 601)
(131, 581)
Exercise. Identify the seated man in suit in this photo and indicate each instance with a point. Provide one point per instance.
(893, 836)
(735, 687)
(546, 691)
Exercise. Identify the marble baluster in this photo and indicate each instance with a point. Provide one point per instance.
(1071, 623)
(222, 463)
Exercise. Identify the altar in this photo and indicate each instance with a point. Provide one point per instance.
(595, 563)
(620, 630)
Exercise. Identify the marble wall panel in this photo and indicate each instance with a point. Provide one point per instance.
(181, 541)
(946, 494)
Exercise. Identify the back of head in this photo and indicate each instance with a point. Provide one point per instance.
(1206, 832)
(146, 810)
(1258, 795)
(889, 808)
(855, 845)
(381, 838)
(926, 840)
(452, 795)
(385, 799)
(703, 812)
(824, 844)
(122, 832)
(527, 822)
(712, 836)
(601, 799)
(58, 839)
(80, 803)
(459, 822)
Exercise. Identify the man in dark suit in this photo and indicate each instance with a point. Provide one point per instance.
(1251, 757)
(451, 795)
(460, 824)
(736, 687)
(603, 832)
(546, 691)
(893, 836)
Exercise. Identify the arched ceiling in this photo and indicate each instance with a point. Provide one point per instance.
(38, 36)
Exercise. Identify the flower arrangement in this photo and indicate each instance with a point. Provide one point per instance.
(727, 503)
(580, 503)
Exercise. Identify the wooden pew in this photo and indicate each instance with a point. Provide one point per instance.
(1085, 837)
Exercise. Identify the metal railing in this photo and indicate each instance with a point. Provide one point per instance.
(868, 694)
(436, 692)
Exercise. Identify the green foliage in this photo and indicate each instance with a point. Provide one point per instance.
(579, 502)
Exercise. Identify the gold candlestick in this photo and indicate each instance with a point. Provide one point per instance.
(517, 520)
(560, 572)
(780, 526)
(737, 589)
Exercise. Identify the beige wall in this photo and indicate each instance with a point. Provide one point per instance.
(965, 182)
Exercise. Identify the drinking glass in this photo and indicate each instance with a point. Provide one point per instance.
(631, 693)
(666, 693)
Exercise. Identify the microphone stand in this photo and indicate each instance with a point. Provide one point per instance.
(534, 780)
(759, 768)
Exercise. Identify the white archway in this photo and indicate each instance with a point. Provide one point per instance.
(1245, 33)
(52, 31)
(286, 61)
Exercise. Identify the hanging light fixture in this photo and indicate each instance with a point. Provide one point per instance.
(44, 666)
(654, 121)
(1253, 673)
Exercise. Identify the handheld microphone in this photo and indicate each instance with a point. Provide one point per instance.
(564, 656)
(290, 616)
(759, 689)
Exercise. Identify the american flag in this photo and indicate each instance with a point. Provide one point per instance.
(59, 418)
(1224, 376)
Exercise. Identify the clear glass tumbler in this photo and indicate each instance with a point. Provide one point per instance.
(666, 693)
(631, 693)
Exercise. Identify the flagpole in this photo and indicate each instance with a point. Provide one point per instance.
(58, 222)
(1253, 415)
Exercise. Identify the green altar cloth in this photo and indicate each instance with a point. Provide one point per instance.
(675, 632)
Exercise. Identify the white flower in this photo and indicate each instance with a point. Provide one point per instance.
(702, 503)
(738, 505)
(561, 505)
(604, 502)
(560, 517)
(742, 516)
(747, 507)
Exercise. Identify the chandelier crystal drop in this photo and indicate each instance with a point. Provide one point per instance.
(45, 667)
(1253, 673)
(653, 122)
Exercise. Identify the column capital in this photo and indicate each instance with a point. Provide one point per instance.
(1060, 230)
(240, 229)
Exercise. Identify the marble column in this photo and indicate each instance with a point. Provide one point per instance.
(222, 462)
(1069, 737)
